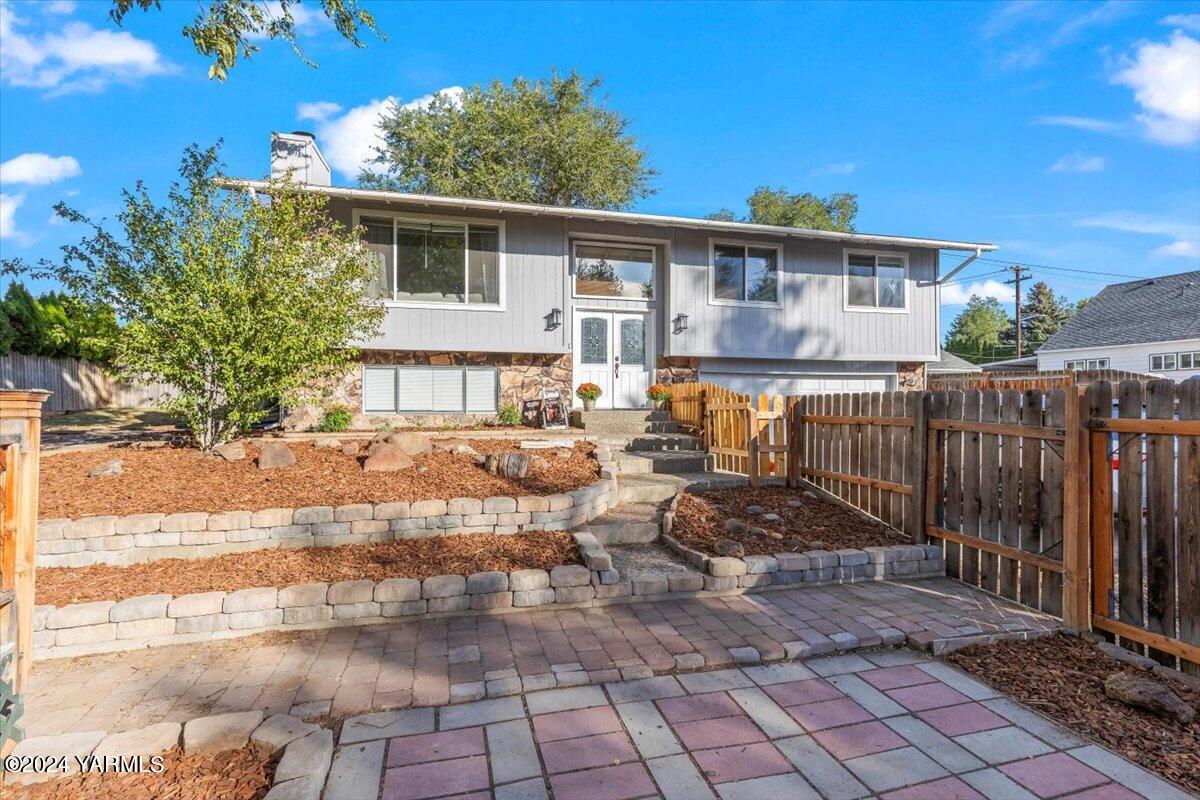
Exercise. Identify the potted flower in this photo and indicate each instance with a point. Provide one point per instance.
(659, 395)
(588, 392)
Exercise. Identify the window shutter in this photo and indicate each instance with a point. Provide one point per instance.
(416, 389)
(379, 389)
(481, 390)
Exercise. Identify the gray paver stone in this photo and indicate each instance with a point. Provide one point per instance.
(146, 628)
(533, 597)
(205, 623)
(306, 757)
(387, 724)
(148, 741)
(355, 771)
(406, 608)
(245, 620)
(302, 615)
(574, 594)
(279, 730)
(757, 564)
(445, 605)
(726, 567)
(513, 754)
(220, 732)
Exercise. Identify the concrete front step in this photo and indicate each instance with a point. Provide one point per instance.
(661, 462)
(652, 442)
(654, 488)
(624, 422)
(628, 523)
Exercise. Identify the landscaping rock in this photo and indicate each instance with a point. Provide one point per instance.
(795, 503)
(350, 449)
(327, 441)
(388, 458)
(308, 756)
(411, 444)
(278, 731)
(772, 517)
(222, 732)
(728, 547)
(149, 741)
(1149, 694)
(114, 467)
(736, 526)
(755, 509)
(273, 455)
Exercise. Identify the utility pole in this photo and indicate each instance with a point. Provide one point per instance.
(1019, 274)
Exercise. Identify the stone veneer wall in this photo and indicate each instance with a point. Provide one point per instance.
(146, 537)
(522, 377)
(676, 369)
(910, 375)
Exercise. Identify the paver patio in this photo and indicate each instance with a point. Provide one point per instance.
(429, 662)
(737, 733)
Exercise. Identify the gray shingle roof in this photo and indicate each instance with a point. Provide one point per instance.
(950, 363)
(1161, 309)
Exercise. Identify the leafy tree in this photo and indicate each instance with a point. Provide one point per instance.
(236, 302)
(1042, 314)
(546, 141)
(57, 325)
(25, 319)
(225, 30)
(979, 326)
(7, 334)
(780, 207)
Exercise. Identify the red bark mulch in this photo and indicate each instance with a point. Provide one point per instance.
(176, 479)
(407, 558)
(1063, 678)
(231, 775)
(700, 522)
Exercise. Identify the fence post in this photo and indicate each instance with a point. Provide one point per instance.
(752, 444)
(1076, 511)
(795, 439)
(704, 417)
(918, 454)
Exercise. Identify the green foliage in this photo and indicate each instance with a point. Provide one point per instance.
(780, 207)
(509, 415)
(549, 141)
(226, 30)
(978, 327)
(1042, 314)
(56, 325)
(336, 419)
(237, 301)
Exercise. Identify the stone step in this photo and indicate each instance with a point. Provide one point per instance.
(628, 523)
(624, 422)
(652, 442)
(663, 462)
(655, 488)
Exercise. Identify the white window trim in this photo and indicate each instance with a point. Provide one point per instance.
(400, 216)
(615, 243)
(396, 368)
(713, 300)
(1164, 368)
(846, 306)
(1193, 354)
(1103, 362)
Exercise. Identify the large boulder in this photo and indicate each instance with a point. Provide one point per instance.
(387, 458)
(412, 444)
(1146, 693)
(327, 441)
(114, 467)
(231, 451)
(275, 454)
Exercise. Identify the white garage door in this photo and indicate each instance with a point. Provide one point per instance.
(799, 383)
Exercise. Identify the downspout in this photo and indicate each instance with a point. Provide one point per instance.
(960, 267)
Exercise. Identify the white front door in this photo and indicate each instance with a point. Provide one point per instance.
(614, 350)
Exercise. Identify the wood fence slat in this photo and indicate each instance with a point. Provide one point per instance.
(1160, 517)
(900, 436)
(1189, 522)
(857, 491)
(989, 507)
(1010, 491)
(1051, 529)
(874, 435)
(1099, 403)
(885, 459)
(918, 409)
(970, 489)
(1129, 509)
(1031, 494)
(1033, 560)
(953, 502)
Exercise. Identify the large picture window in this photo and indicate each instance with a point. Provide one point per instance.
(745, 273)
(614, 270)
(407, 390)
(876, 281)
(455, 263)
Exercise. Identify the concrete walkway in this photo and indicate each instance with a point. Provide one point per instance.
(350, 670)
(888, 724)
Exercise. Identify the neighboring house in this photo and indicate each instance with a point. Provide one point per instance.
(1022, 364)
(950, 364)
(488, 302)
(1149, 326)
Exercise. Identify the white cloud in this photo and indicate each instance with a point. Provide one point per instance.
(1185, 236)
(1032, 29)
(1165, 78)
(38, 168)
(959, 294)
(9, 203)
(1181, 248)
(60, 7)
(77, 58)
(349, 140)
(837, 168)
(1078, 162)
(1081, 123)
(1189, 22)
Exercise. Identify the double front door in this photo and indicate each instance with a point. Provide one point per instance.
(614, 350)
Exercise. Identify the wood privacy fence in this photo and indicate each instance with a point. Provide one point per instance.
(75, 384)
(1045, 381)
(1016, 485)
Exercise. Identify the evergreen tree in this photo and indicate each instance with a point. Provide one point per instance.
(1042, 314)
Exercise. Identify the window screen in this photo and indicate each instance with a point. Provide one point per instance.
(388, 390)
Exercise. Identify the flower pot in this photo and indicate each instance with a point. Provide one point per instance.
(659, 405)
(589, 404)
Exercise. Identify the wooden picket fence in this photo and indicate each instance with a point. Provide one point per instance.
(1016, 485)
(1041, 380)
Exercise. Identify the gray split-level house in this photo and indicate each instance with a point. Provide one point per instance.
(488, 302)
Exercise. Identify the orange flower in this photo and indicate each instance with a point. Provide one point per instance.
(588, 391)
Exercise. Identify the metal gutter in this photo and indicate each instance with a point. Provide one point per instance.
(618, 216)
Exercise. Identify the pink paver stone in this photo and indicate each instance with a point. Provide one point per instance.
(797, 692)
(583, 722)
(1053, 774)
(698, 706)
(965, 718)
(472, 796)
(405, 750)
(944, 789)
(587, 751)
(896, 677)
(436, 778)
(829, 714)
(862, 739)
(1109, 791)
(702, 733)
(927, 695)
(741, 762)
(622, 782)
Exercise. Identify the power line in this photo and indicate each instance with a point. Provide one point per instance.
(1009, 264)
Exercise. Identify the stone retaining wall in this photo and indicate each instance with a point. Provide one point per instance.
(145, 537)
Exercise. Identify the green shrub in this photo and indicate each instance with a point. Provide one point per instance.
(336, 419)
(509, 415)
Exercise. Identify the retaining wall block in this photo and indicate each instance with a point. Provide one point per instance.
(397, 590)
(427, 508)
(101, 543)
(271, 517)
(933, 566)
(205, 623)
(201, 537)
(757, 565)
(355, 610)
(139, 523)
(390, 511)
(330, 528)
(529, 579)
(300, 615)
(818, 575)
(499, 505)
(753, 580)
(444, 521)
(531, 504)
(685, 583)
(157, 539)
(933, 550)
(881, 555)
(44, 639)
(310, 515)
(559, 502)
(86, 634)
(465, 506)
(720, 582)
(343, 592)
(479, 520)
(407, 608)
(573, 594)
(852, 557)
(289, 531)
(90, 527)
(249, 534)
(40, 615)
(48, 529)
(57, 547)
(250, 600)
(230, 521)
(368, 527)
(901, 568)
(79, 614)
(726, 567)
(490, 600)
(148, 606)
(821, 559)
(186, 521)
(792, 561)
(570, 575)
(608, 591)
(303, 594)
(911, 552)
(656, 584)
(526, 598)
(442, 605)
(145, 628)
(243, 620)
(487, 582)
(198, 604)
(605, 577)
(353, 512)
(787, 577)
(440, 586)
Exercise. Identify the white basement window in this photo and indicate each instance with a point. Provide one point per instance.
(1087, 363)
(415, 390)
(1189, 360)
(743, 272)
(876, 281)
(443, 263)
(1163, 362)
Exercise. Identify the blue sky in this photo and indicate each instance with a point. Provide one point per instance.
(1067, 133)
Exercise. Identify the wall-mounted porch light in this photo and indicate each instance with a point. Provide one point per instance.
(681, 323)
(554, 319)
